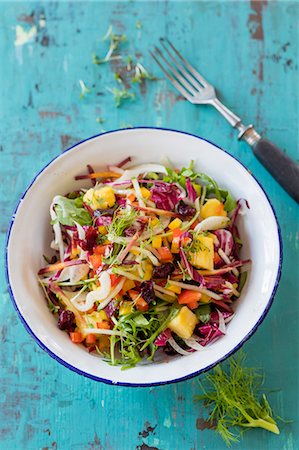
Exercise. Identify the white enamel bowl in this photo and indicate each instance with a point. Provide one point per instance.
(30, 235)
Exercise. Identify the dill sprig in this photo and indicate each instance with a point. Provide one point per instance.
(122, 219)
(232, 396)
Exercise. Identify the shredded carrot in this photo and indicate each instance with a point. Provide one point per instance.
(187, 297)
(100, 250)
(193, 305)
(131, 197)
(217, 258)
(96, 261)
(59, 266)
(98, 175)
(114, 279)
(165, 254)
(90, 339)
(104, 325)
(76, 337)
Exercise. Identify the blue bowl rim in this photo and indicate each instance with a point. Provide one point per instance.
(158, 383)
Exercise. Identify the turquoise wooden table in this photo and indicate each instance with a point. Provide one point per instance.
(249, 50)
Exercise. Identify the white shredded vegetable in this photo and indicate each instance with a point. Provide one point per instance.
(212, 223)
(102, 331)
(193, 343)
(134, 172)
(177, 348)
(138, 194)
(148, 254)
(81, 235)
(221, 325)
(57, 231)
(191, 287)
(103, 291)
(115, 169)
(116, 290)
(227, 261)
(232, 289)
(74, 273)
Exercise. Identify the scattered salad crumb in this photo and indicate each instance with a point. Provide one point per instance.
(147, 262)
(84, 89)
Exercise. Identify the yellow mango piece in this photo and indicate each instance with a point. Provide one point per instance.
(175, 245)
(154, 221)
(126, 308)
(169, 237)
(135, 252)
(205, 298)
(148, 270)
(95, 316)
(102, 230)
(201, 253)
(145, 193)
(197, 188)
(128, 284)
(173, 288)
(102, 198)
(183, 323)
(176, 223)
(157, 242)
(212, 207)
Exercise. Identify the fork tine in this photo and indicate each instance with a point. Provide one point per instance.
(190, 68)
(176, 74)
(181, 68)
(179, 87)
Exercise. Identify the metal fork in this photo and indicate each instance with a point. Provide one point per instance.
(197, 90)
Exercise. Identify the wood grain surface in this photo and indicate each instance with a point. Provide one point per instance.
(250, 51)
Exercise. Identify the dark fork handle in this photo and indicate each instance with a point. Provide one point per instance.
(282, 168)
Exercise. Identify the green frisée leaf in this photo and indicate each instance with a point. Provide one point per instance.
(232, 396)
(121, 221)
(230, 203)
(242, 280)
(212, 188)
(69, 211)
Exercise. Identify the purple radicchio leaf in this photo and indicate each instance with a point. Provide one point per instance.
(190, 191)
(166, 196)
(163, 337)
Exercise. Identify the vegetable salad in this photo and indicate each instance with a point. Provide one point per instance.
(147, 260)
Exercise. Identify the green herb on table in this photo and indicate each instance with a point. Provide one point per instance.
(141, 74)
(100, 120)
(129, 60)
(120, 95)
(232, 397)
(138, 24)
(117, 77)
(125, 125)
(114, 42)
(84, 89)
